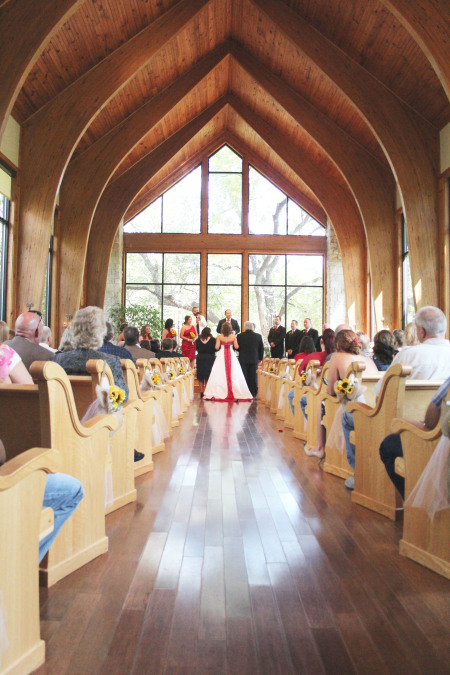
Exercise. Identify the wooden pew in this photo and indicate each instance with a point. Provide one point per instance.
(300, 426)
(283, 407)
(264, 379)
(271, 379)
(23, 522)
(259, 375)
(122, 443)
(398, 397)
(335, 461)
(424, 540)
(51, 409)
(176, 385)
(284, 366)
(164, 393)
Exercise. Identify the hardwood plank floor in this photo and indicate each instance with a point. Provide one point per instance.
(241, 556)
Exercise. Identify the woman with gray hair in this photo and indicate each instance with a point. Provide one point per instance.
(85, 337)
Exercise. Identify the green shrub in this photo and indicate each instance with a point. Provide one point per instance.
(135, 315)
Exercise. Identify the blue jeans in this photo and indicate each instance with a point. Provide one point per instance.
(302, 402)
(348, 426)
(62, 493)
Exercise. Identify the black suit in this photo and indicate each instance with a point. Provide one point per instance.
(234, 326)
(251, 351)
(277, 335)
(167, 355)
(293, 338)
(312, 333)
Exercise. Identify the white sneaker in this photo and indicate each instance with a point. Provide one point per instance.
(350, 482)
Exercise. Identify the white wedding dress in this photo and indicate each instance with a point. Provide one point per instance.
(227, 381)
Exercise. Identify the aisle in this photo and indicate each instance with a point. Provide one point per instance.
(241, 556)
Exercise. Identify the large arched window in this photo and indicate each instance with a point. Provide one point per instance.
(225, 262)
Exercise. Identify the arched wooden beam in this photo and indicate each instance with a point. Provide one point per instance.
(410, 143)
(27, 27)
(119, 194)
(337, 202)
(50, 136)
(145, 198)
(373, 186)
(88, 174)
(428, 21)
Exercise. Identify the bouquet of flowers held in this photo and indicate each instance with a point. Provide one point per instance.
(173, 333)
(192, 335)
(348, 389)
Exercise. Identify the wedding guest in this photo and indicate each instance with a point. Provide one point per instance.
(276, 339)
(327, 349)
(399, 336)
(4, 331)
(228, 319)
(167, 351)
(121, 338)
(307, 346)
(133, 346)
(65, 344)
(28, 336)
(86, 336)
(46, 339)
(383, 349)
(292, 342)
(410, 335)
(364, 341)
(108, 347)
(206, 353)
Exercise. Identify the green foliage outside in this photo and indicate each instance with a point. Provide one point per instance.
(135, 315)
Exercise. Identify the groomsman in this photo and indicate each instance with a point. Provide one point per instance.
(234, 324)
(293, 338)
(310, 332)
(199, 320)
(276, 339)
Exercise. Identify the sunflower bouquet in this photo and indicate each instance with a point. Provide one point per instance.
(348, 389)
(170, 375)
(181, 370)
(172, 333)
(192, 335)
(155, 379)
(116, 398)
(272, 369)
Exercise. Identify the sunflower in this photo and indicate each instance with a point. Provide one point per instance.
(171, 375)
(156, 379)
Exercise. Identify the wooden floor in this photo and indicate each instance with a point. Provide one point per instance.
(242, 556)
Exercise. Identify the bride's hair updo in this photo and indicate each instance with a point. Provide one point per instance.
(347, 341)
(226, 329)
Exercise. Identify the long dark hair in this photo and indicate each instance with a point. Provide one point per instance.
(328, 341)
(307, 345)
(169, 323)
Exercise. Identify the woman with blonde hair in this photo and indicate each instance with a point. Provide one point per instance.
(410, 335)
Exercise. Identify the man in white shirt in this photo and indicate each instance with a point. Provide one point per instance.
(199, 320)
(430, 360)
(46, 339)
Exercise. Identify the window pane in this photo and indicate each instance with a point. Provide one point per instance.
(181, 205)
(267, 206)
(305, 270)
(225, 160)
(224, 268)
(179, 299)
(264, 303)
(148, 220)
(300, 222)
(145, 294)
(144, 268)
(267, 270)
(408, 295)
(185, 266)
(225, 203)
(305, 302)
(221, 298)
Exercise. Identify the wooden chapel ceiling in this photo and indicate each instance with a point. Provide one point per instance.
(253, 60)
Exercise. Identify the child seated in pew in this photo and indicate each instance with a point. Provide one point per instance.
(62, 493)
(391, 447)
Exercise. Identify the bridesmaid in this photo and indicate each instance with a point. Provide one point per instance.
(188, 335)
(169, 332)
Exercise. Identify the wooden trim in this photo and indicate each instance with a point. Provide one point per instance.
(203, 280)
(406, 138)
(245, 288)
(444, 242)
(245, 195)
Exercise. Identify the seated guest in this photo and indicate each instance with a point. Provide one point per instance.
(12, 369)
(29, 328)
(145, 344)
(399, 337)
(383, 349)
(429, 360)
(121, 338)
(87, 331)
(328, 347)
(132, 345)
(4, 331)
(145, 334)
(391, 447)
(65, 344)
(46, 339)
(410, 335)
(109, 348)
(364, 341)
(307, 346)
(167, 351)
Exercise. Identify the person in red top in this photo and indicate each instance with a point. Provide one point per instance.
(306, 348)
(327, 344)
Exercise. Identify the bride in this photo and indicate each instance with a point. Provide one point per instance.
(227, 382)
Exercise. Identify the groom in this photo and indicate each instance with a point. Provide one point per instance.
(251, 352)
(234, 324)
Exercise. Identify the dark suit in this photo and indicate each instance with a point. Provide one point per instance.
(234, 326)
(167, 355)
(251, 351)
(29, 351)
(312, 333)
(293, 338)
(277, 335)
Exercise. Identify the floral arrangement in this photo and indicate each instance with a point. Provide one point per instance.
(348, 389)
(181, 370)
(155, 379)
(173, 333)
(116, 398)
(272, 369)
(192, 335)
(170, 375)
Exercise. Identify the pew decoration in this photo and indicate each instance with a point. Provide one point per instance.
(151, 379)
(431, 492)
(308, 379)
(4, 642)
(284, 376)
(347, 389)
(272, 369)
